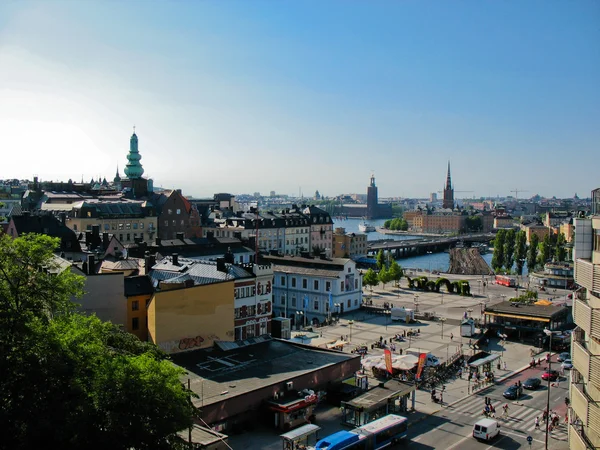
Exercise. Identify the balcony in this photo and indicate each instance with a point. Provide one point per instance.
(577, 438)
(587, 275)
(587, 365)
(587, 411)
(586, 317)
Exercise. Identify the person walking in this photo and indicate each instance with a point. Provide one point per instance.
(537, 423)
(504, 365)
(505, 408)
(451, 336)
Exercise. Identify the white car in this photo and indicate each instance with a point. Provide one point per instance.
(567, 364)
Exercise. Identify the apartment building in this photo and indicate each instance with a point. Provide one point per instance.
(349, 245)
(584, 420)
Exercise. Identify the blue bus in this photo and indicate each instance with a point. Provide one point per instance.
(378, 434)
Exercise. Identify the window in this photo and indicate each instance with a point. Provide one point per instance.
(328, 286)
(355, 302)
(178, 211)
(128, 237)
(250, 331)
(293, 282)
(107, 226)
(113, 226)
(304, 283)
(283, 281)
(121, 237)
(356, 284)
(293, 302)
(89, 214)
(142, 236)
(349, 303)
(74, 227)
(349, 269)
(316, 305)
(166, 223)
(238, 313)
(174, 222)
(135, 305)
(283, 299)
(135, 323)
(182, 222)
(135, 225)
(128, 226)
(316, 285)
(142, 225)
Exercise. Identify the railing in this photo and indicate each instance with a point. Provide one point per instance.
(587, 275)
(577, 438)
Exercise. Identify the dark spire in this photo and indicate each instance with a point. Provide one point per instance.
(448, 178)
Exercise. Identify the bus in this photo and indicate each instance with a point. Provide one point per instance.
(505, 280)
(380, 433)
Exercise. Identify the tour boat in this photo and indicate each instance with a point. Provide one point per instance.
(366, 227)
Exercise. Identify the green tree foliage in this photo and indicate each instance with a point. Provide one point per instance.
(473, 223)
(397, 223)
(509, 249)
(71, 381)
(498, 256)
(532, 252)
(561, 251)
(380, 259)
(520, 250)
(545, 250)
(397, 210)
(395, 272)
(384, 276)
(370, 279)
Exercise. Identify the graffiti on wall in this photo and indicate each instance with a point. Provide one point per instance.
(187, 343)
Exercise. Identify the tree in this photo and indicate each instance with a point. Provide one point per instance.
(370, 279)
(545, 250)
(384, 276)
(520, 250)
(71, 381)
(395, 272)
(380, 259)
(509, 249)
(561, 251)
(532, 252)
(498, 256)
(473, 223)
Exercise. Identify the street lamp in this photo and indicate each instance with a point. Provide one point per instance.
(387, 313)
(351, 322)
(300, 314)
(442, 319)
(442, 297)
(429, 253)
(549, 333)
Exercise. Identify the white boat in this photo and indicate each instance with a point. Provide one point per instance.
(366, 227)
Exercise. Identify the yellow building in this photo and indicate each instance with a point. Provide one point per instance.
(540, 230)
(187, 318)
(138, 291)
(584, 420)
(439, 223)
(349, 245)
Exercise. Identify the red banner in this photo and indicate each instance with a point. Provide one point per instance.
(388, 360)
(422, 358)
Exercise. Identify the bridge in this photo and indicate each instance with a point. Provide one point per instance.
(421, 246)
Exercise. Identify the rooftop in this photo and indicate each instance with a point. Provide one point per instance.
(507, 307)
(217, 375)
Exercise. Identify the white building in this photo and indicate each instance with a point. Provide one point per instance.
(312, 290)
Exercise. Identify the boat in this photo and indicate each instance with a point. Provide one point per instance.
(365, 227)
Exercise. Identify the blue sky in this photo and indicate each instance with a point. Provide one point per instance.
(246, 96)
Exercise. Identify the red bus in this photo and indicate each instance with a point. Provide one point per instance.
(505, 280)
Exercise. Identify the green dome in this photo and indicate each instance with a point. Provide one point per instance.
(134, 169)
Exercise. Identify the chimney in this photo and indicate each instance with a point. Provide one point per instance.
(180, 236)
(105, 240)
(149, 261)
(91, 265)
(175, 257)
(63, 218)
(96, 231)
(88, 238)
(221, 266)
(229, 256)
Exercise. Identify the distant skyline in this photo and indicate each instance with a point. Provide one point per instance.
(257, 96)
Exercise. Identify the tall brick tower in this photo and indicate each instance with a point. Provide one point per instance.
(372, 200)
(448, 192)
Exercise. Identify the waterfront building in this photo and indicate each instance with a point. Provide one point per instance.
(372, 209)
(584, 420)
(554, 275)
(349, 245)
(311, 290)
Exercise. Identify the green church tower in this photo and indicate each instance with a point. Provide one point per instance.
(133, 169)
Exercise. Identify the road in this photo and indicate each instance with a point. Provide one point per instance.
(453, 425)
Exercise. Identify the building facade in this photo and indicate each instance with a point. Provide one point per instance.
(349, 245)
(321, 230)
(584, 421)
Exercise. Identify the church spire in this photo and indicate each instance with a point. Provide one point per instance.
(448, 178)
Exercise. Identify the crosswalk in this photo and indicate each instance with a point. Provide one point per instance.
(520, 418)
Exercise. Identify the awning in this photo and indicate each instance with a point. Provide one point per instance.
(516, 316)
(301, 432)
(485, 360)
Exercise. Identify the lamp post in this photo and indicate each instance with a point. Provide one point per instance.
(442, 297)
(429, 253)
(387, 313)
(351, 322)
(549, 333)
(503, 297)
(300, 314)
(442, 319)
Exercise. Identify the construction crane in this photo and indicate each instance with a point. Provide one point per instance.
(460, 191)
(516, 191)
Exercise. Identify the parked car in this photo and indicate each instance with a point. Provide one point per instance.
(567, 364)
(563, 356)
(532, 383)
(513, 392)
(551, 375)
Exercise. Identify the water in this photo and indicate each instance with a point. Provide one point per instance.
(433, 261)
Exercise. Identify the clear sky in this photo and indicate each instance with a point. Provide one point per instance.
(246, 96)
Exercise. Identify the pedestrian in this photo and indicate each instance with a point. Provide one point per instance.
(504, 365)
(537, 423)
(451, 336)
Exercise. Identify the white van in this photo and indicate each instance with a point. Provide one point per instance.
(486, 429)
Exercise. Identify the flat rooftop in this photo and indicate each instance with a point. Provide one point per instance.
(216, 375)
(507, 307)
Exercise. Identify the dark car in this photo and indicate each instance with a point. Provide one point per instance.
(563, 356)
(513, 392)
(532, 383)
(551, 375)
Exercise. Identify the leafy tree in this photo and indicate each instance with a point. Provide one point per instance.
(70, 381)
(474, 223)
(532, 252)
(561, 251)
(498, 256)
(395, 272)
(380, 259)
(370, 279)
(509, 249)
(520, 250)
(384, 276)
(545, 250)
